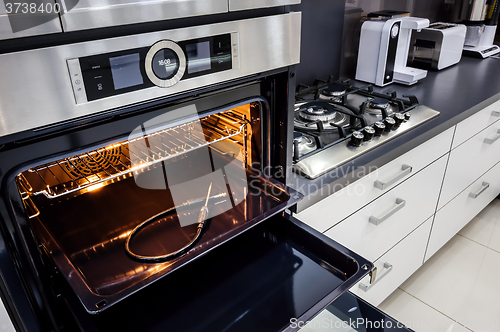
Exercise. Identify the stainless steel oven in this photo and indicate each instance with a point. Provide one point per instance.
(144, 184)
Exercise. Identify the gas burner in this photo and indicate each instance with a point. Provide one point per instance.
(333, 92)
(304, 143)
(315, 112)
(306, 113)
(377, 104)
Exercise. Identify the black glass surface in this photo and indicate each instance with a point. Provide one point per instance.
(259, 282)
(358, 315)
(120, 72)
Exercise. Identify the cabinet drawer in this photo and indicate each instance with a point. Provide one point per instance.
(405, 258)
(343, 203)
(419, 194)
(475, 123)
(455, 215)
(470, 160)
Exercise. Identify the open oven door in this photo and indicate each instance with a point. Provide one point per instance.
(271, 278)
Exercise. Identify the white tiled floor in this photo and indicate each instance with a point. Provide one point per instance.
(458, 289)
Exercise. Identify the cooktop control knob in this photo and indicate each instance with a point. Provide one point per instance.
(379, 128)
(356, 138)
(407, 116)
(399, 119)
(389, 124)
(165, 63)
(369, 132)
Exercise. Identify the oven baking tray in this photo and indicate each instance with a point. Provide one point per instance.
(279, 270)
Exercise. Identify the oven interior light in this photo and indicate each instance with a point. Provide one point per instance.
(95, 187)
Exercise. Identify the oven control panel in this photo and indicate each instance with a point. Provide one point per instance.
(163, 64)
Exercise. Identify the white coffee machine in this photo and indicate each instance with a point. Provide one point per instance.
(481, 19)
(383, 51)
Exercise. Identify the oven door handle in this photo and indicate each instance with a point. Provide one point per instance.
(406, 169)
(400, 203)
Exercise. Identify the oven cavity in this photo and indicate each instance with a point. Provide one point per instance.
(83, 208)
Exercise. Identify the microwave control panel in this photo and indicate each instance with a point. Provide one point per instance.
(163, 64)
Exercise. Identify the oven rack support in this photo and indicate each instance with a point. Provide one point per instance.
(58, 178)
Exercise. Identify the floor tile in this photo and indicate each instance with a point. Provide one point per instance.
(417, 315)
(461, 281)
(485, 227)
(5, 323)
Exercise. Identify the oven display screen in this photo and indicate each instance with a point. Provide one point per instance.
(126, 71)
(198, 57)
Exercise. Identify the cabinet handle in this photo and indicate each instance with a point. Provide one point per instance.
(484, 186)
(373, 281)
(406, 169)
(400, 203)
(491, 140)
(496, 113)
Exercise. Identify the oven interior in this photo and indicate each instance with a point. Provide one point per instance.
(82, 207)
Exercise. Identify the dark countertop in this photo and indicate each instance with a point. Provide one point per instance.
(456, 92)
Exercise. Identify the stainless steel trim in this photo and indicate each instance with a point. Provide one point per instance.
(406, 169)
(484, 186)
(41, 94)
(495, 113)
(400, 203)
(89, 14)
(235, 5)
(149, 63)
(339, 154)
(366, 288)
(51, 26)
(75, 73)
(494, 139)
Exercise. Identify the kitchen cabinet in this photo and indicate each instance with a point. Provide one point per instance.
(420, 200)
(469, 160)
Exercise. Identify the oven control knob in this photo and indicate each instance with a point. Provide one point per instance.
(389, 123)
(407, 116)
(369, 132)
(165, 63)
(379, 128)
(356, 138)
(399, 119)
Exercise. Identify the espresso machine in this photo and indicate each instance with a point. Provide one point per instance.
(481, 19)
(383, 51)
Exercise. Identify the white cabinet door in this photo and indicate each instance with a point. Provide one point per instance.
(419, 194)
(470, 160)
(395, 266)
(475, 123)
(456, 214)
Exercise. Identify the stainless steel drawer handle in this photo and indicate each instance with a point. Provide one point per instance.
(496, 113)
(484, 186)
(400, 203)
(366, 288)
(491, 140)
(406, 169)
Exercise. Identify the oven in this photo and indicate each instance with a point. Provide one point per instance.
(144, 185)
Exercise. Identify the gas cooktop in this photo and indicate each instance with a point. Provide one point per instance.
(335, 122)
